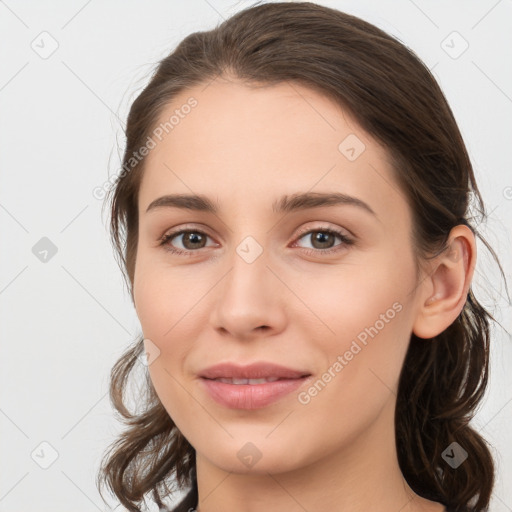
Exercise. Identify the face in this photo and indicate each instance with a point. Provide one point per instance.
(324, 288)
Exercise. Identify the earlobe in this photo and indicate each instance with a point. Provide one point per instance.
(446, 288)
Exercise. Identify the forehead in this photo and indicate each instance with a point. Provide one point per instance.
(250, 144)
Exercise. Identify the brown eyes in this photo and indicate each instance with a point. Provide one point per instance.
(321, 238)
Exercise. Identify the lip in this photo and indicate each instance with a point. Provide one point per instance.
(260, 370)
(251, 396)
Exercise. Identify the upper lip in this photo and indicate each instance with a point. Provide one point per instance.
(260, 370)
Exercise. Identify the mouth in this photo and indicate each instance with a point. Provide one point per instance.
(238, 374)
(251, 387)
(247, 381)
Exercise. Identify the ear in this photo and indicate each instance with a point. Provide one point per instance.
(444, 291)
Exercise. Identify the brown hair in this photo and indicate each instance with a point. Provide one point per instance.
(395, 98)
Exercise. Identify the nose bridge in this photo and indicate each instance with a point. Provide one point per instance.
(248, 275)
(247, 298)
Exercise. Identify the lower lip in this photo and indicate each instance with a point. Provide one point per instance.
(250, 396)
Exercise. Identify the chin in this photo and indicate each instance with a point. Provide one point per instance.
(258, 456)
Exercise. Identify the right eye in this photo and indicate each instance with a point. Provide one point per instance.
(191, 237)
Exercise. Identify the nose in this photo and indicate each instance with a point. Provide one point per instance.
(248, 300)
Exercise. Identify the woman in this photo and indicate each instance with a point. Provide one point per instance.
(292, 219)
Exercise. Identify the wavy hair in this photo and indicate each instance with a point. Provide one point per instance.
(395, 98)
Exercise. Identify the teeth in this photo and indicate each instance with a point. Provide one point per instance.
(248, 381)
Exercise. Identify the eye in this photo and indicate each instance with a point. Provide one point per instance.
(192, 239)
(322, 239)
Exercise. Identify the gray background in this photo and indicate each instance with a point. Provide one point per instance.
(67, 318)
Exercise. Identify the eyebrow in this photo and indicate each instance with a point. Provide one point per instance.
(287, 203)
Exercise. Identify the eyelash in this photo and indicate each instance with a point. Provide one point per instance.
(164, 241)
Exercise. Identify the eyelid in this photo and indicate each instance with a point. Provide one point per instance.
(324, 227)
(185, 227)
(301, 231)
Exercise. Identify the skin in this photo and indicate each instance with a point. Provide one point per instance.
(245, 148)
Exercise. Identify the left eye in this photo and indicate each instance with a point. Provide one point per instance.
(324, 237)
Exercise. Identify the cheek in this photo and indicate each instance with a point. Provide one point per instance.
(151, 303)
(367, 321)
(162, 295)
(362, 366)
(344, 302)
(170, 304)
(166, 321)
